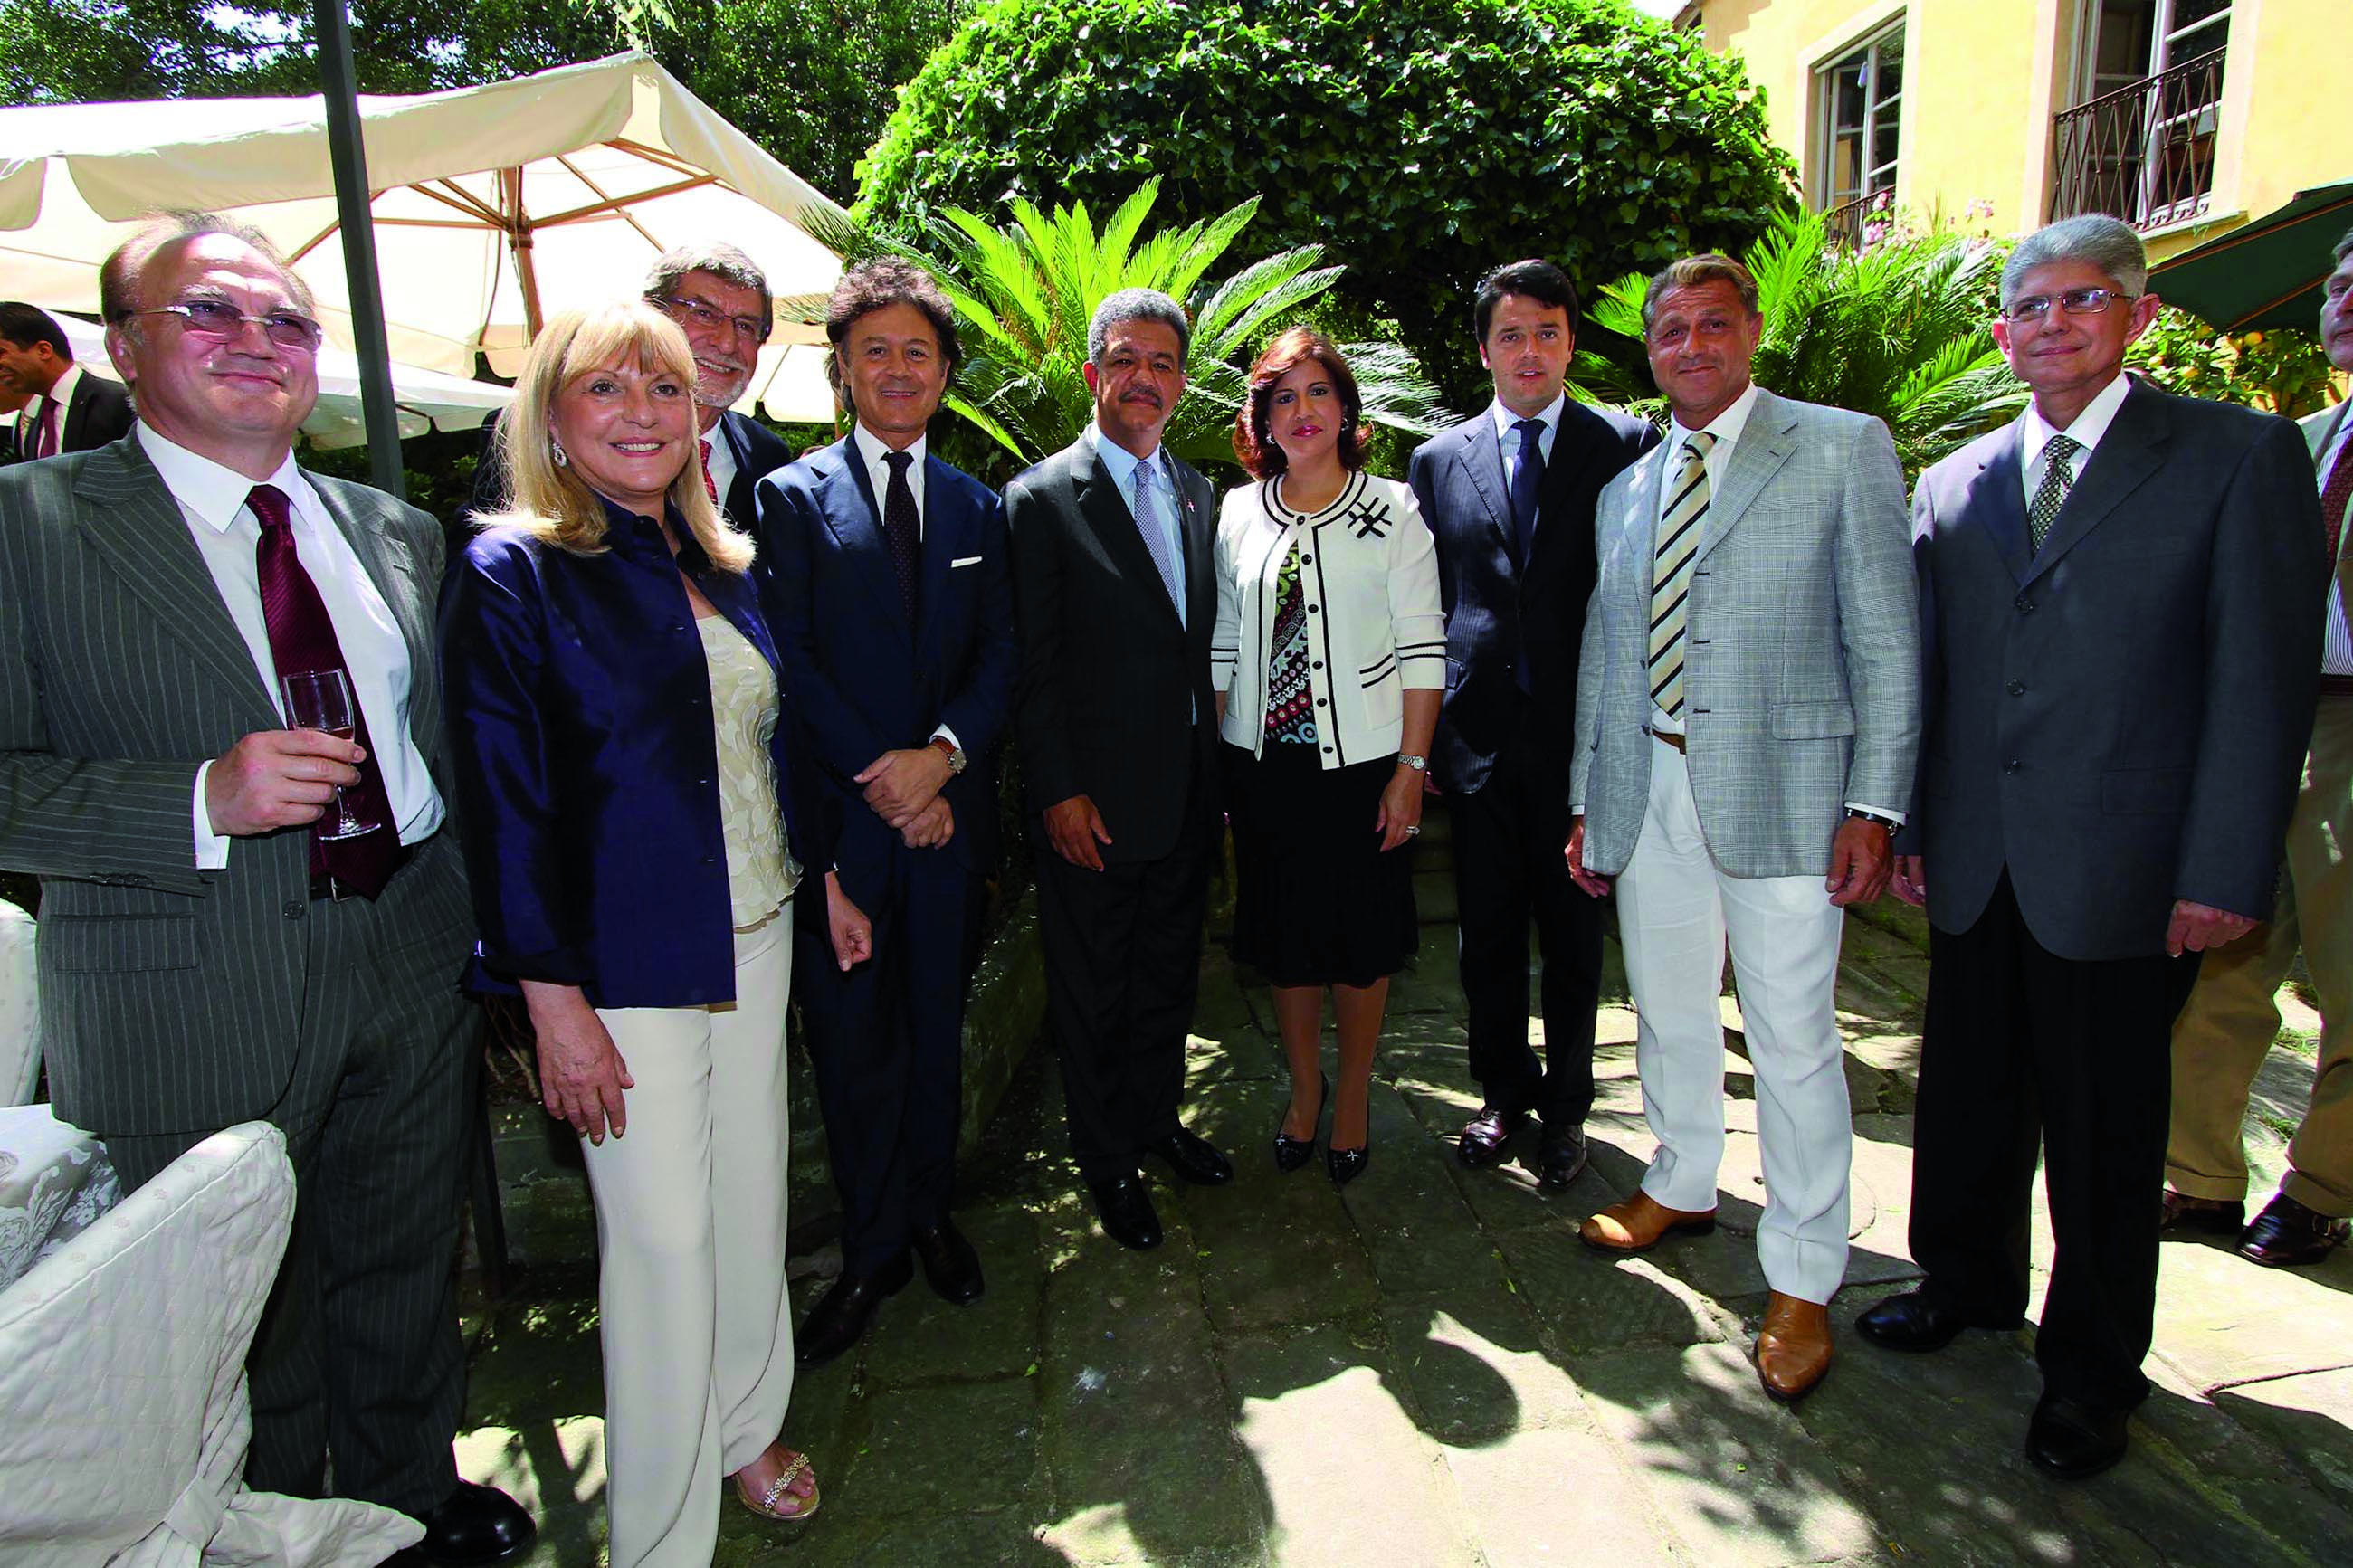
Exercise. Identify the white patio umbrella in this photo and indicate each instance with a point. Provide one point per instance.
(427, 400)
(495, 206)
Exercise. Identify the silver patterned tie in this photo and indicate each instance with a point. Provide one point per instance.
(1671, 571)
(2051, 493)
(1155, 539)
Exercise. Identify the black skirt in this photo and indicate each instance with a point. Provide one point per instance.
(1318, 902)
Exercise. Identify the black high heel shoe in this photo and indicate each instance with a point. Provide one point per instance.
(1290, 1153)
(1347, 1164)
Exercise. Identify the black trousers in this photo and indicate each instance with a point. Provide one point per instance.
(2024, 1050)
(887, 1041)
(1508, 870)
(1122, 966)
(358, 1350)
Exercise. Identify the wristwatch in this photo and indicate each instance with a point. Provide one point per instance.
(1418, 764)
(954, 754)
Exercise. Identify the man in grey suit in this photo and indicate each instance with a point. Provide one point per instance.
(1747, 716)
(2223, 1035)
(209, 954)
(2122, 598)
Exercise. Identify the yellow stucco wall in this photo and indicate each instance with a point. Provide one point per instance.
(1984, 77)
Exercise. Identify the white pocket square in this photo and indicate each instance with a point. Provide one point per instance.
(964, 561)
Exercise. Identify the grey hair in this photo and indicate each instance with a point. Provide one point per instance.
(1137, 305)
(722, 261)
(2344, 246)
(2109, 243)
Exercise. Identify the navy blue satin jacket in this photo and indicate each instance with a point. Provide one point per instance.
(587, 763)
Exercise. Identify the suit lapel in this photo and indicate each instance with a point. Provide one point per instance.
(1997, 497)
(391, 567)
(2125, 457)
(1482, 459)
(1105, 512)
(1193, 532)
(853, 514)
(77, 415)
(1763, 446)
(130, 519)
(947, 531)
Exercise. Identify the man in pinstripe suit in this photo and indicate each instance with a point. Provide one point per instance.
(207, 956)
(1747, 715)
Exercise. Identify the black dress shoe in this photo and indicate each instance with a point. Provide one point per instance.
(951, 1267)
(2288, 1233)
(1290, 1153)
(839, 1318)
(1126, 1210)
(1561, 1159)
(474, 1527)
(1487, 1135)
(2070, 1441)
(1346, 1165)
(1195, 1159)
(1916, 1320)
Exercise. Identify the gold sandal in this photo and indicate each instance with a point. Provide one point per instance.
(766, 1504)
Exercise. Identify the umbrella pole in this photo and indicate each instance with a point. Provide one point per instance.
(349, 159)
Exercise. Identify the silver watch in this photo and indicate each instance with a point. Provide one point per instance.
(1418, 764)
(953, 752)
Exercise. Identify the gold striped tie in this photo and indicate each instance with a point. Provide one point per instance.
(1671, 571)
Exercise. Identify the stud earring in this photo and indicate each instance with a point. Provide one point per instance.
(556, 450)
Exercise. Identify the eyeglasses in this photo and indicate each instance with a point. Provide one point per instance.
(2075, 303)
(218, 319)
(708, 316)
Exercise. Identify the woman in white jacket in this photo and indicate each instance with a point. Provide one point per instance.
(1328, 658)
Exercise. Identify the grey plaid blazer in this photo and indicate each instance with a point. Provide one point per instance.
(1802, 673)
(171, 998)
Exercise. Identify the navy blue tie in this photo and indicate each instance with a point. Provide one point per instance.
(1527, 483)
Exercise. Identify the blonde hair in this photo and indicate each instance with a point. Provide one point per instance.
(555, 504)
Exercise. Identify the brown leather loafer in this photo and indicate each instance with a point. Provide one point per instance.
(1640, 1223)
(2287, 1233)
(1793, 1347)
(2216, 1216)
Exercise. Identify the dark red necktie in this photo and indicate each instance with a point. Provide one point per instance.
(903, 530)
(709, 483)
(44, 439)
(302, 642)
(2334, 498)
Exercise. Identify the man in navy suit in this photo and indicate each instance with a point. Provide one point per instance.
(1509, 495)
(885, 583)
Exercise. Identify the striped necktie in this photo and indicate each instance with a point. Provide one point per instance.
(1671, 571)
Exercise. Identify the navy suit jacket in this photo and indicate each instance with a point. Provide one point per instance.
(1501, 613)
(863, 680)
(587, 763)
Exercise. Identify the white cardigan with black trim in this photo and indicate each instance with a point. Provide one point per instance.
(1369, 571)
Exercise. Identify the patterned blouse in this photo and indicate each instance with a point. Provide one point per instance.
(1290, 697)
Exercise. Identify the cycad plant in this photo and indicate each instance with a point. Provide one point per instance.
(1900, 330)
(1024, 294)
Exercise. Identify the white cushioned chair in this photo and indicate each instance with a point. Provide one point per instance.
(20, 1008)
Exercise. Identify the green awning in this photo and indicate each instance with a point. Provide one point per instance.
(2267, 273)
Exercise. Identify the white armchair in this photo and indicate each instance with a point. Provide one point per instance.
(20, 1008)
(123, 1410)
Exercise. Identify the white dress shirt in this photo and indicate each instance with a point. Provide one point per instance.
(1509, 440)
(722, 466)
(2035, 433)
(2336, 646)
(212, 499)
(61, 394)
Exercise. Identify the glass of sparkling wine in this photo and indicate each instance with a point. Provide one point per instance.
(322, 700)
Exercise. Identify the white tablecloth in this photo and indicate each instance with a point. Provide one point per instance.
(55, 1182)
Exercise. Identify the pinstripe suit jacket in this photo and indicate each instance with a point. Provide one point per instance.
(2320, 430)
(171, 998)
(1802, 672)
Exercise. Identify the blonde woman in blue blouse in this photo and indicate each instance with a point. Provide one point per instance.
(1328, 659)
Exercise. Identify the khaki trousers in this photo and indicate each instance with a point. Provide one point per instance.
(697, 1327)
(2222, 1035)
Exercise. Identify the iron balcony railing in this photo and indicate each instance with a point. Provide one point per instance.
(2145, 153)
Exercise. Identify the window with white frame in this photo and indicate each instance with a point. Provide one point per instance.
(1858, 99)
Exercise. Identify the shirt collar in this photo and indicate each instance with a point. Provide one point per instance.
(1121, 462)
(872, 451)
(1726, 426)
(2089, 425)
(61, 393)
(214, 493)
(1505, 418)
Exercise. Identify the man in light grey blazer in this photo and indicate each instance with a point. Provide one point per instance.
(2122, 595)
(209, 953)
(1747, 715)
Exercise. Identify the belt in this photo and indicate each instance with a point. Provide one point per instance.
(323, 884)
(2337, 686)
(1669, 736)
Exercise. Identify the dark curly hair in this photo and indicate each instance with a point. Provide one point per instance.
(876, 285)
(1293, 347)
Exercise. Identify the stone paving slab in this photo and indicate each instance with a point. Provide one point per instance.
(1427, 1368)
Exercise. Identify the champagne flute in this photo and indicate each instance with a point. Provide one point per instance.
(322, 700)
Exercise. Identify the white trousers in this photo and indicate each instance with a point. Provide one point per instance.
(1675, 908)
(698, 1328)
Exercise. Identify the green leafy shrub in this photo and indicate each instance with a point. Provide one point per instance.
(1421, 141)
